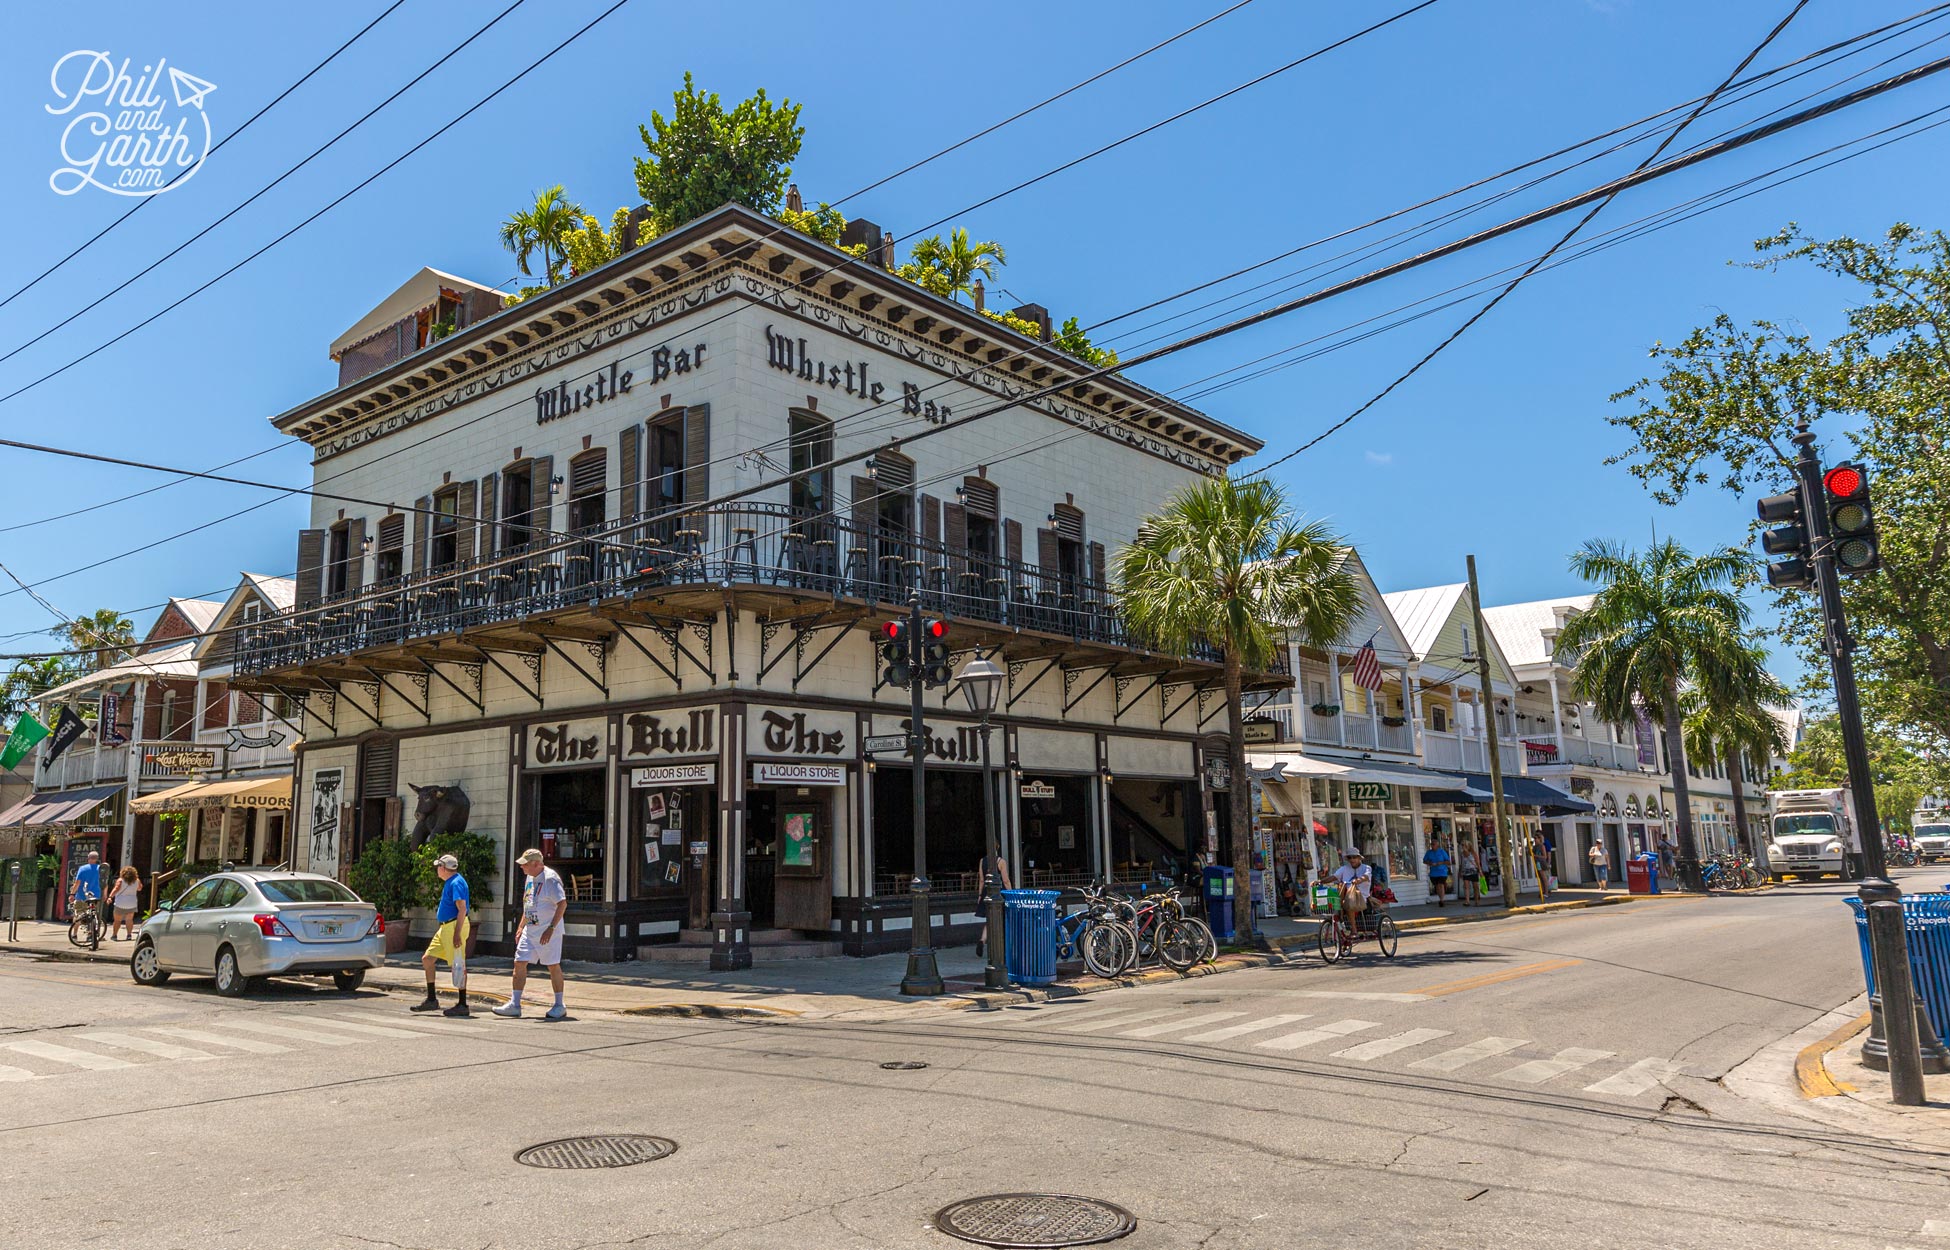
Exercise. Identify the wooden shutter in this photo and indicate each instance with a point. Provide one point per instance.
(588, 473)
(1046, 551)
(697, 453)
(628, 459)
(1069, 522)
(390, 822)
(930, 519)
(422, 528)
(355, 559)
(1012, 540)
(311, 566)
(957, 527)
(490, 500)
(981, 497)
(894, 471)
(1097, 570)
(378, 768)
(392, 532)
(464, 522)
(541, 504)
(865, 494)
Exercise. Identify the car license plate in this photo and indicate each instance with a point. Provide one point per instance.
(330, 928)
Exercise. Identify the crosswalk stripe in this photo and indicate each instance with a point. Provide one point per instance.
(1636, 1079)
(1936, 1228)
(1570, 1059)
(1462, 1056)
(303, 1035)
(1389, 1045)
(144, 1045)
(14, 1074)
(1240, 1030)
(250, 1044)
(376, 1030)
(68, 1055)
(1190, 1022)
(1114, 1022)
(1325, 1033)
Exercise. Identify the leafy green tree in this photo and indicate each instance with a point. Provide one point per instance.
(1224, 564)
(702, 157)
(1723, 408)
(949, 267)
(1071, 339)
(25, 682)
(105, 631)
(1658, 618)
(542, 227)
(587, 245)
(1727, 718)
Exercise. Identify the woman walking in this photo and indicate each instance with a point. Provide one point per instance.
(124, 898)
(1600, 862)
(1468, 871)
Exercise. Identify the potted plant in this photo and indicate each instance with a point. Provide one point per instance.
(1326, 709)
(384, 875)
(475, 851)
(1394, 722)
(47, 869)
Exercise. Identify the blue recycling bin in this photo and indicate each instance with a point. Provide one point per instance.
(1221, 888)
(1926, 926)
(1029, 935)
(1651, 862)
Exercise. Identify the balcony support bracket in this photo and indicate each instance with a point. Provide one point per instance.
(1207, 689)
(1118, 704)
(1016, 670)
(424, 707)
(799, 645)
(598, 657)
(326, 715)
(533, 663)
(353, 703)
(1168, 692)
(768, 629)
(473, 672)
(1071, 676)
(669, 637)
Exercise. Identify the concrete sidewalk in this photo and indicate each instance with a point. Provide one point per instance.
(821, 987)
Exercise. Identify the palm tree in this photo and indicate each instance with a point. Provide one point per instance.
(1660, 618)
(1727, 717)
(26, 681)
(107, 632)
(1224, 565)
(542, 228)
(957, 262)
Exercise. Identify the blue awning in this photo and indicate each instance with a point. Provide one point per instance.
(1527, 791)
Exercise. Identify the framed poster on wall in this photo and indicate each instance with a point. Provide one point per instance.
(799, 841)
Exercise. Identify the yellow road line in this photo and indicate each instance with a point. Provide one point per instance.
(1811, 1075)
(1495, 978)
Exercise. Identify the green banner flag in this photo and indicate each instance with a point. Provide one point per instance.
(27, 731)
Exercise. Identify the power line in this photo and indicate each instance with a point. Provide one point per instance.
(383, 170)
(184, 173)
(1597, 207)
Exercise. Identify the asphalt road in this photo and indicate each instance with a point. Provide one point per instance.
(1543, 1080)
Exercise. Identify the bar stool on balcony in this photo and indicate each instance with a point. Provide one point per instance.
(576, 571)
(792, 558)
(826, 562)
(501, 587)
(893, 580)
(690, 553)
(744, 553)
(473, 600)
(650, 561)
(856, 569)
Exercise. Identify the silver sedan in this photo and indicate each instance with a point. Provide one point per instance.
(242, 925)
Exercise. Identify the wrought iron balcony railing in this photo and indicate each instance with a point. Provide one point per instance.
(748, 545)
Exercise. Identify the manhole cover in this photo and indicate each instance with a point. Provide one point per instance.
(1028, 1221)
(609, 1150)
(904, 1065)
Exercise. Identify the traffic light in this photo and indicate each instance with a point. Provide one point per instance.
(898, 650)
(1851, 523)
(934, 653)
(1794, 571)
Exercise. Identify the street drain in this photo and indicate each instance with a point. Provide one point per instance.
(1034, 1221)
(904, 1065)
(608, 1150)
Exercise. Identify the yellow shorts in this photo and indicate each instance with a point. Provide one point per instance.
(450, 942)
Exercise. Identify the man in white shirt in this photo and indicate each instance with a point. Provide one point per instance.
(1356, 879)
(539, 938)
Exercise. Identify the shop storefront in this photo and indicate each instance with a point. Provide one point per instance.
(670, 766)
(67, 824)
(242, 821)
(798, 814)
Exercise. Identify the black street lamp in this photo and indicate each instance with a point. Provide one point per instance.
(981, 684)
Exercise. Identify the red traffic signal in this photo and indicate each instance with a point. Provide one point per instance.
(936, 629)
(1843, 481)
(894, 630)
(1851, 522)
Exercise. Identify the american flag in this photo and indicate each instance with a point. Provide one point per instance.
(1366, 669)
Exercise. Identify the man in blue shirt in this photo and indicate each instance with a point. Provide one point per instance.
(87, 883)
(450, 940)
(1437, 858)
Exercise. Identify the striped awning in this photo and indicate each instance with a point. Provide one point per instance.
(268, 793)
(56, 807)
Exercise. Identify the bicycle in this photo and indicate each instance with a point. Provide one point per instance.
(85, 925)
(1337, 938)
(1095, 936)
(1161, 931)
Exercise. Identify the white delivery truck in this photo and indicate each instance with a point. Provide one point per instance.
(1812, 832)
(1930, 827)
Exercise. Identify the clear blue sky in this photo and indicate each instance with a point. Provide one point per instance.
(1498, 448)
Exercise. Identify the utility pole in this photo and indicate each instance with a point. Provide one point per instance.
(1505, 855)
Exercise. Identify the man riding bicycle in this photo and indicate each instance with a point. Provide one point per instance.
(1356, 880)
(87, 884)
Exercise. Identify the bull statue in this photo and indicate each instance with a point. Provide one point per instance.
(440, 809)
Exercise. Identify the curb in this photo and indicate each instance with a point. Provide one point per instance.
(1811, 1074)
(75, 955)
(708, 1011)
(992, 1000)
